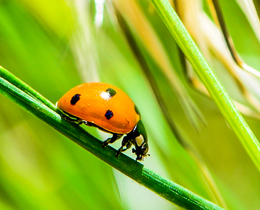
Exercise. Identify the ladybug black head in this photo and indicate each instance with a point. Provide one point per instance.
(141, 151)
(140, 141)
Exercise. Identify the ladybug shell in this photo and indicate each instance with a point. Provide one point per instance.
(104, 105)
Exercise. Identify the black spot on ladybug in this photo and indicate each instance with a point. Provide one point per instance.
(111, 92)
(137, 111)
(109, 114)
(75, 99)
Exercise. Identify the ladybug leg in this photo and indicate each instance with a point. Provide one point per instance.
(112, 139)
(126, 144)
(70, 118)
(75, 120)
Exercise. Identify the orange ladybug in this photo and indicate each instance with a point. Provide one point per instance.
(109, 109)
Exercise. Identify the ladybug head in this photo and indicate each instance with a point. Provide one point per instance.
(141, 151)
(140, 141)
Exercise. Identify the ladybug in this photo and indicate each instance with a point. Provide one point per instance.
(108, 108)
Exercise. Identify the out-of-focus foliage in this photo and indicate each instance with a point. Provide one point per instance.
(55, 45)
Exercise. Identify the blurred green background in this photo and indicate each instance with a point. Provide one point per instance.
(56, 45)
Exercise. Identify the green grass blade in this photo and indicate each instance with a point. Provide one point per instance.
(24, 87)
(123, 163)
(211, 82)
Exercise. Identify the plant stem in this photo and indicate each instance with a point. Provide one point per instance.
(24, 87)
(211, 82)
(133, 169)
